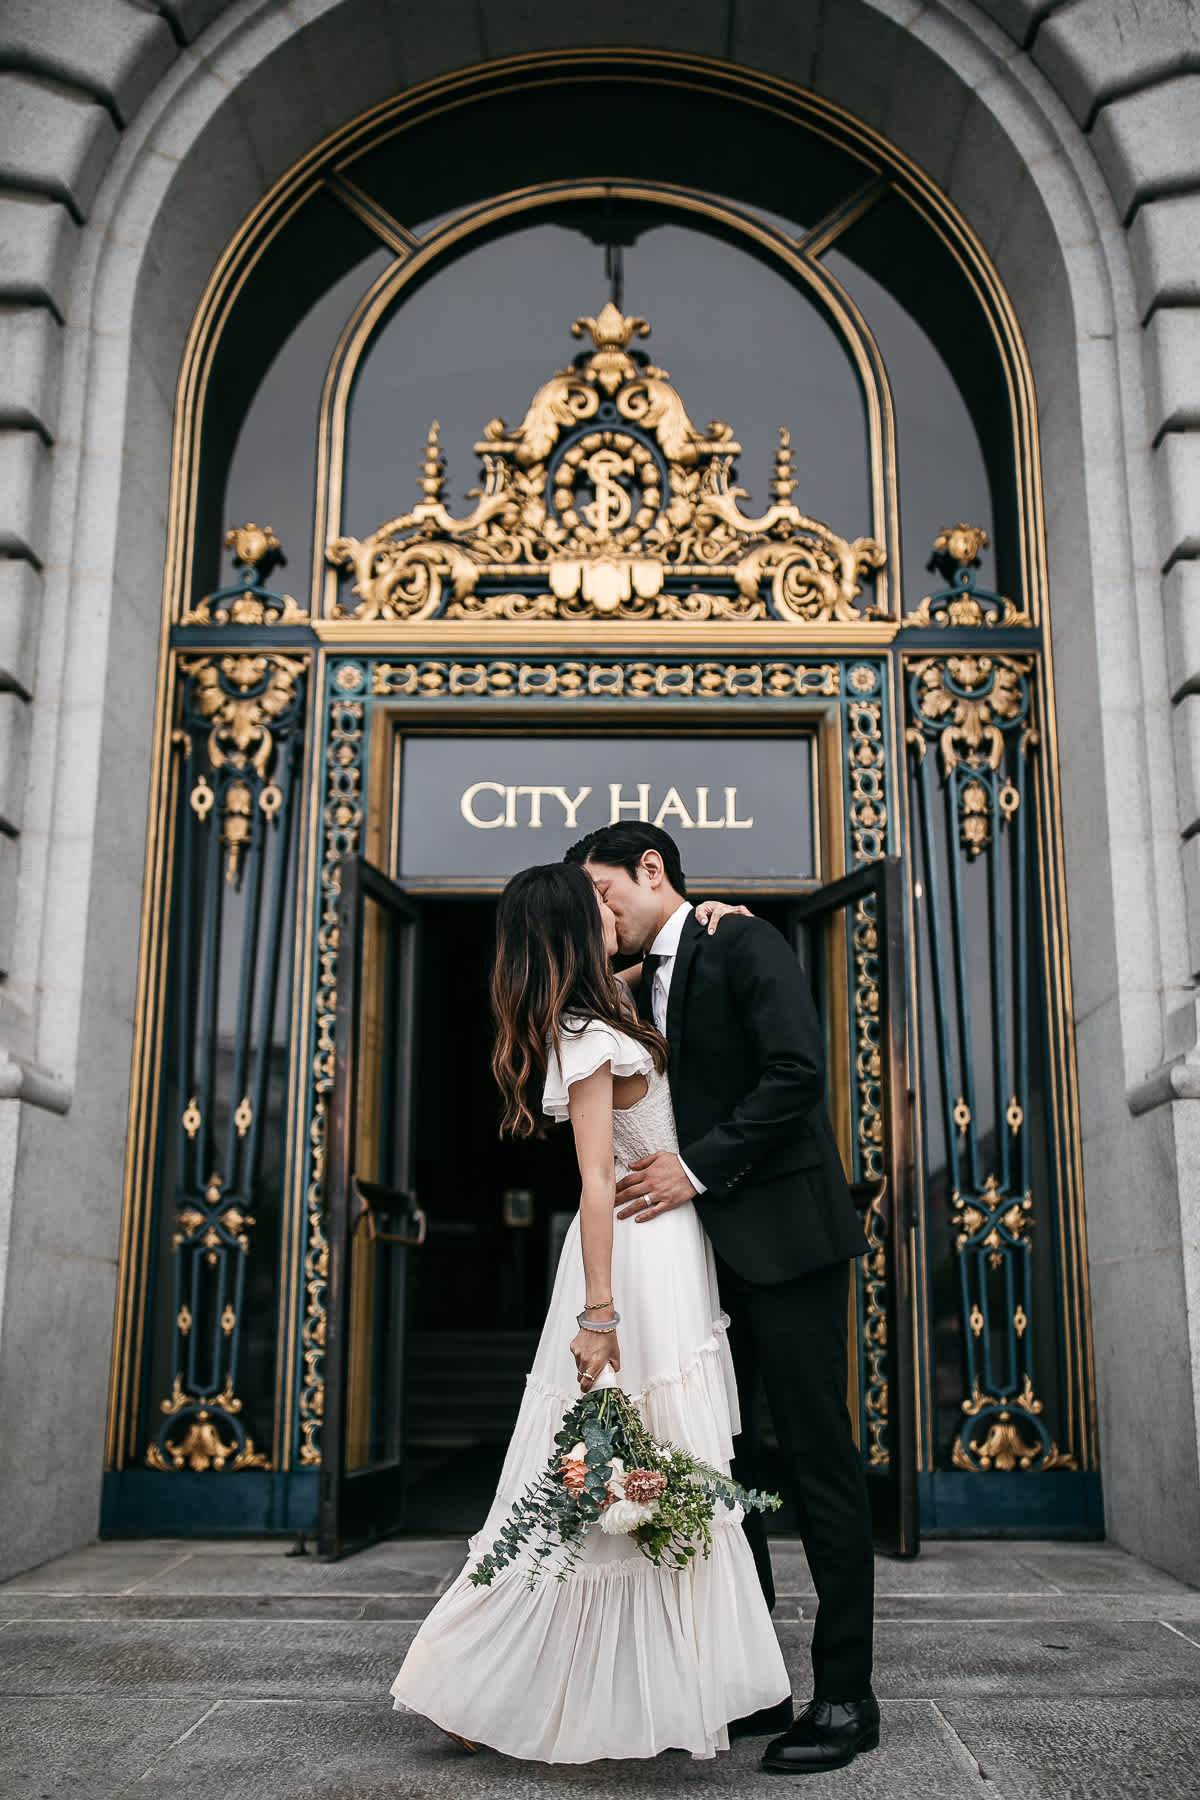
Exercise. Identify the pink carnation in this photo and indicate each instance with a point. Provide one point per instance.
(644, 1485)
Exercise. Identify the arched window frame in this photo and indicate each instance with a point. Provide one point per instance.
(329, 169)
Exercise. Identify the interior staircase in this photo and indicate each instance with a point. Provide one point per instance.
(464, 1387)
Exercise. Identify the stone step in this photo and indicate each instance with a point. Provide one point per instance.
(465, 1386)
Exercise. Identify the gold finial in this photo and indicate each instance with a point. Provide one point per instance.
(612, 330)
(251, 544)
(784, 479)
(961, 543)
(433, 467)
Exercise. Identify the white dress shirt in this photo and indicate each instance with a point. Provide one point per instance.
(666, 946)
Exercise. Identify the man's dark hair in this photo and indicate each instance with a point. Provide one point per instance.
(622, 846)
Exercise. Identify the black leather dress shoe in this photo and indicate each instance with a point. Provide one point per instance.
(763, 1723)
(828, 1734)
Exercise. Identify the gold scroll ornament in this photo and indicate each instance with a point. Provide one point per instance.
(608, 528)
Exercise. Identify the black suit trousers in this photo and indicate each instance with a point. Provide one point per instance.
(789, 1341)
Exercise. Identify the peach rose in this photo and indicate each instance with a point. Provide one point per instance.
(574, 1468)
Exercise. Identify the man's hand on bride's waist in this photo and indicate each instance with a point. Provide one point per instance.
(654, 1185)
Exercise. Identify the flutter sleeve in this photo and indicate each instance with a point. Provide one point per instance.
(583, 1050)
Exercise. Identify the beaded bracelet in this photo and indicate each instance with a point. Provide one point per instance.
(586, 1324)
(596, 1305)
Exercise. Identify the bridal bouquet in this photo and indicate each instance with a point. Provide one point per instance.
(607, 1470)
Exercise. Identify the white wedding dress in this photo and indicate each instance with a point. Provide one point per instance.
(622, 1658)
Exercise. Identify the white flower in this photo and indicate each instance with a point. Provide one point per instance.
(616, 1481)
(578, 1454)
(624, 1516)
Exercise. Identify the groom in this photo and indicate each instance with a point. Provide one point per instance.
(758, 1159)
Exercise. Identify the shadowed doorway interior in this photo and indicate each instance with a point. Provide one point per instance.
(498, 1210)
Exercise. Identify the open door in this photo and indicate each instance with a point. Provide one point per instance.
(374, 1219)
(824, 923)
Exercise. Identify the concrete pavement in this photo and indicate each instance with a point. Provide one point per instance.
(231, 1671)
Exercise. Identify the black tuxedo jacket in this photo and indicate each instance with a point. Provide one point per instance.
(747, 1074)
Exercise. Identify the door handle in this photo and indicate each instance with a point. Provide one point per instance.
(868, 1197)
(374, 1199)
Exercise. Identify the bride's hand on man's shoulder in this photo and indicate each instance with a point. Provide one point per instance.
(709, 913)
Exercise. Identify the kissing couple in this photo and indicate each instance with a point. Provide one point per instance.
(708, 1266)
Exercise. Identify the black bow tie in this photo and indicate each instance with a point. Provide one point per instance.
(650, 966)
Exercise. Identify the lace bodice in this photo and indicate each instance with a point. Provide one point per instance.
(647, 1125)
(638, 1130)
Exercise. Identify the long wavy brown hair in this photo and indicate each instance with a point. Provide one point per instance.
(550, 964)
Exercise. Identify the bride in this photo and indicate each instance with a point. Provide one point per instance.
(622, 1658)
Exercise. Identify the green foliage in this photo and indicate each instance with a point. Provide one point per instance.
(550, 1518)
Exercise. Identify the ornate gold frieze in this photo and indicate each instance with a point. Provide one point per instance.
(571, 680)
(606, 502)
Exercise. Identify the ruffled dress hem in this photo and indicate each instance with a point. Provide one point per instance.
(677, 1653)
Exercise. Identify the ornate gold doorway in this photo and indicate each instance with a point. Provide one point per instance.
(608, 584)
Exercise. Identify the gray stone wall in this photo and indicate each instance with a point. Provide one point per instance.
(130, 149)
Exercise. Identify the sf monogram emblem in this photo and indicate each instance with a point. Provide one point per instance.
(611, 507)
(626, 490)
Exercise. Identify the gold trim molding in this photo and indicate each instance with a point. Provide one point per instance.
(542, 636)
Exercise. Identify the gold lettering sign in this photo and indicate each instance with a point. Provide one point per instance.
(494, 805)
(476, 807)
(509, 796)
